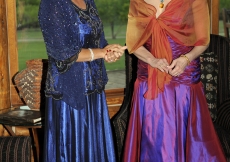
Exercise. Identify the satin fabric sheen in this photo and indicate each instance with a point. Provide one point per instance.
(176, 126)
(78, 135)
(79, 132)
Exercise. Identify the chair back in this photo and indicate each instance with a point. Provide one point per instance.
(220, 46)
(215, 72)
(226, 21)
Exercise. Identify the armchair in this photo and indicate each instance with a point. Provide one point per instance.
(220, 46)
(219, 52)
(15, 149)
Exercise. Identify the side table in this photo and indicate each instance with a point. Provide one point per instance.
(32, 127)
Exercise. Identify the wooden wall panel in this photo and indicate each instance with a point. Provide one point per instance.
(4, 68)
(12, 50)
(214, 15)
(114, 98)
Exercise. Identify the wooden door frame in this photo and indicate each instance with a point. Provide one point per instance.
(214, 15)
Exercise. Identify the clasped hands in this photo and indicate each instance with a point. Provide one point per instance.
(114, 52)
(176, 68)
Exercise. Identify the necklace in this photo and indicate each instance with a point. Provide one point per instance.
(161, 4)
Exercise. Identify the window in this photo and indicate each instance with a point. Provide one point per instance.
(31, 45)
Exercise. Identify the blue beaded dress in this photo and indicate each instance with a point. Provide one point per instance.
(77, 124)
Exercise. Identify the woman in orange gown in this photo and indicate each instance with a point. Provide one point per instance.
(169, 119)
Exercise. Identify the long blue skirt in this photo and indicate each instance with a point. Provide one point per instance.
(78, 135)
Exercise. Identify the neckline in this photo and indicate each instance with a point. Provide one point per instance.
(157, 10)
(77, 7)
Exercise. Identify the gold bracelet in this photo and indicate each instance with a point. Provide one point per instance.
(188, 61)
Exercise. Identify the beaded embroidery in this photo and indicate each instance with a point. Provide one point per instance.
(73, 29)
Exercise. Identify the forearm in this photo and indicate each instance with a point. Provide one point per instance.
(85, 54)
(143, 54)
(196, 52)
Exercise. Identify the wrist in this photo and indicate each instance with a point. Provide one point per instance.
(91, 54)
(98, 53)
(187, 59)
(103, 52)
(150, 60)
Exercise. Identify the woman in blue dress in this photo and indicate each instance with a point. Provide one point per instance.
(77, 124)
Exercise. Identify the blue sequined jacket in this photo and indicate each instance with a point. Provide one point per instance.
(66, 30)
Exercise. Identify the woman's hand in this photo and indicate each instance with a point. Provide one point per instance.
(114, 52)
(143, 54)
(160, 64)
(177, 66)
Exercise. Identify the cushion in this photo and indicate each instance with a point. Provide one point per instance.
(15, 149)
(209, 73)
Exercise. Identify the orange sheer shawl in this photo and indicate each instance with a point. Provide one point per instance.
(185, 21)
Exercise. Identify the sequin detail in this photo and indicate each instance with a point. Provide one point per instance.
(66, 30)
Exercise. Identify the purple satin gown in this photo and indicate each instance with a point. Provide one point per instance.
(176, 126)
